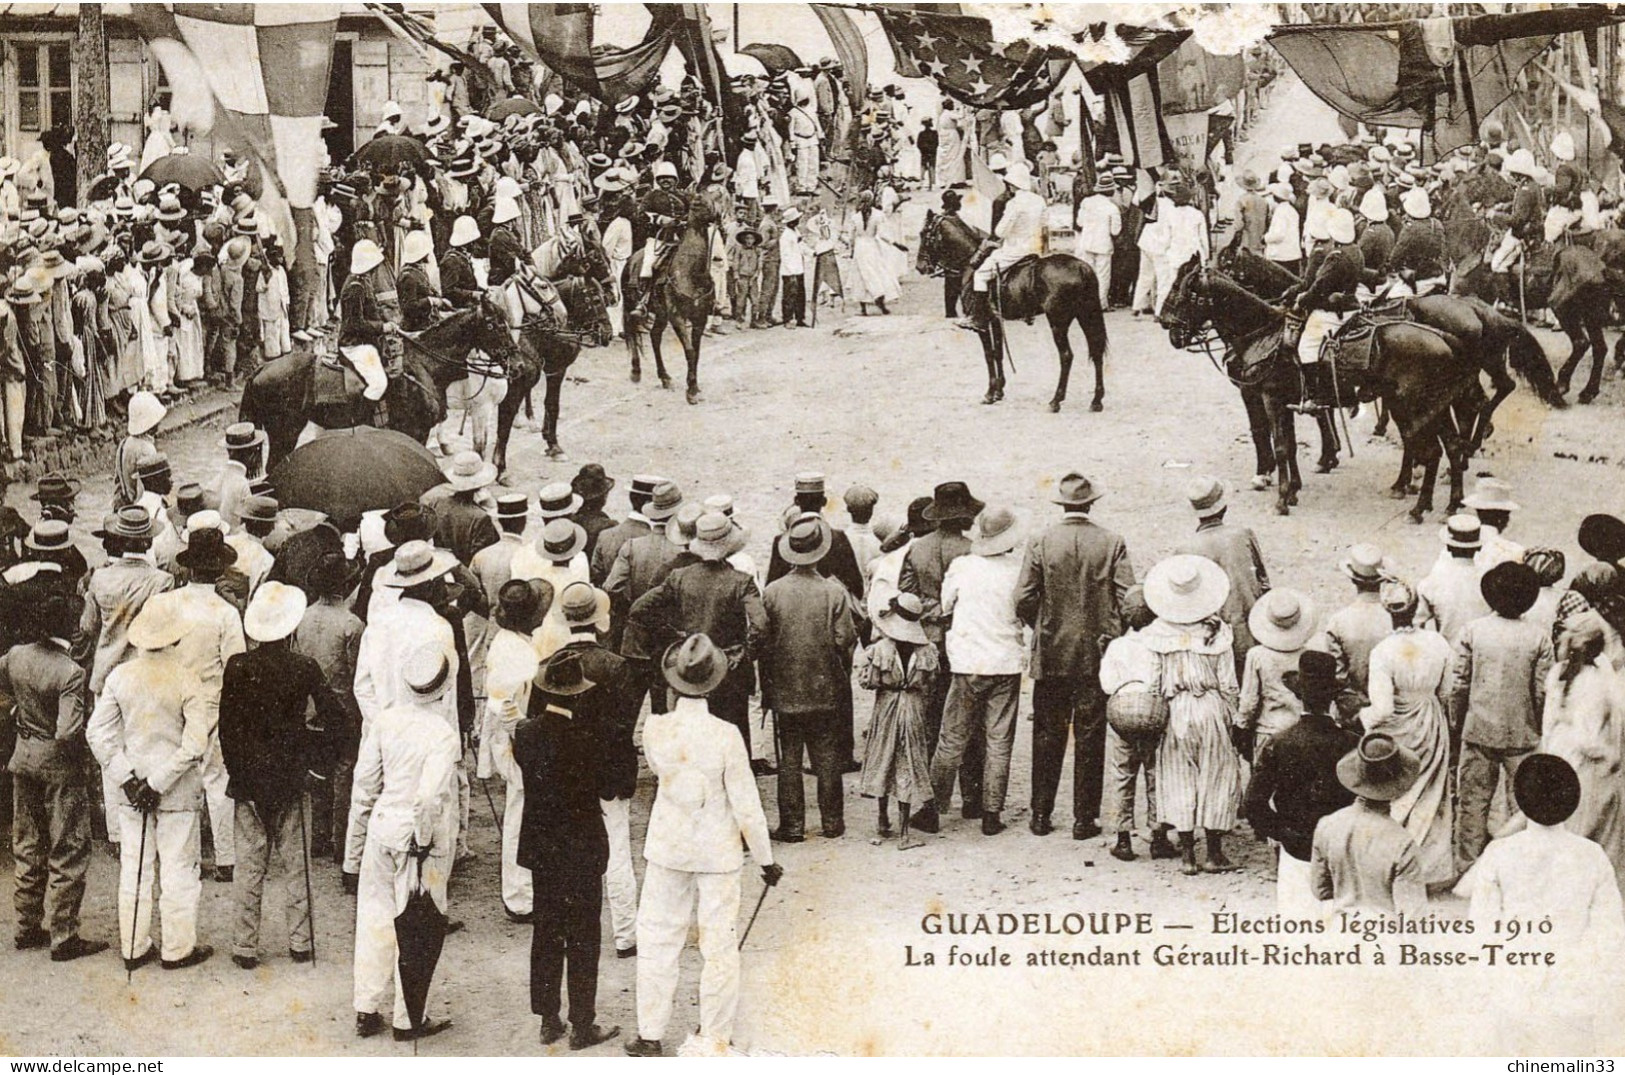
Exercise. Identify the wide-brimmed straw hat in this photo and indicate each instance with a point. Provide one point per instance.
(417, 562)
(161, 622)
(273, 612)
(582, 603)
(1491, 494)
(557, 500)
(561, 540)
(900, 620)
(996, 532)
(716, 537)
(1379, 768)
(468, 471)
(694, 667)
(1186, 589)
(1282, 619)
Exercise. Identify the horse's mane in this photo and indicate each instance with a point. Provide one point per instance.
(967, 230)
(1246, 307)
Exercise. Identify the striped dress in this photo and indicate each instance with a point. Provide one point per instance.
(1198, 770)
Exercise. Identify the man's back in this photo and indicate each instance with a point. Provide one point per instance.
(117, 591)
(707, 797)
(1235, 549)
(1295, 783)
(811, 627)
(1073, 579)
(560, 750)
(924, 567)
(1364, 860)
(1499, 684)
(1451, 597)
(609, 544)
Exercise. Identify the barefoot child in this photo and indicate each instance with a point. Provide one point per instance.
(900, 668)
(1128, 673)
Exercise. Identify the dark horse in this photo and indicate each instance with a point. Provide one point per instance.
(280, 396)
(1419, 371)
(545, 354)
(681, 294)
(1058, 286)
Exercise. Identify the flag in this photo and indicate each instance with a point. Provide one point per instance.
(256, 74)
(1133, 125)
(850, 49)
(1441, 75)
(561, 36)
(958, 53)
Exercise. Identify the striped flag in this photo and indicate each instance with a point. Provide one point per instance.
(561, 36)
(256, 74)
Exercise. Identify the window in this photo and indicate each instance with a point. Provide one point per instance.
(44, 84)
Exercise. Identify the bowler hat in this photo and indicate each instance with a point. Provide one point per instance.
(1378, 769)
(1315, 676)
(1510, 588)
(953, 500)
(1546, 788)
(694, 667)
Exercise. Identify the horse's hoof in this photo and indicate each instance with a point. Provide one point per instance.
(555, 452)
(989, 399)
(1325, 466)
(665, 382)
(1397, 493)
(1588, 396)
(1292, 499)
(1262, 482)
(1282, 508)
(636, 376)
(693, 396)
(1415, 516)
(1096, 406)
(1055, 406)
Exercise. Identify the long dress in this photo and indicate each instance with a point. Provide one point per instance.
(897, 759)
(873, 272)
(950, 150)
(1409, 675)
(183, 305)
(126, 371)
(1198, 769)
(1584, 724)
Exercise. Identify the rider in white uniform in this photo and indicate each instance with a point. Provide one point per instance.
(1020, 233)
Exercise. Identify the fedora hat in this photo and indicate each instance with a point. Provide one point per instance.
(694, 667)
(273, 612)
(427, 672)
(417, 562)
(680, 528)
(1546, 788)
(664, 500)
(468, 471)
(1491, 494)
(953, 500)
(48, 535)
(561, 540)
(240, 436)
(131, 521)
(1603, 536)
(145, 412)
(1510, 588)
(55, 488)
(1378, 769)
(161, 622)
(715, 537)
(1365, 563)
(807, 540)
(582, 603)
(748, 237)
(1077, 491)
(1107, 185)
(259, 509)
(1282, 619)
(557, 500)
(1315, 676)
(996, 532)
(522, 605)
(410, 521)
(1186, 589)
(900, 620)
(562, 675)
(1207, 495)
(1461, 532)
(206, 551)
(591, 482)
(1250, 181)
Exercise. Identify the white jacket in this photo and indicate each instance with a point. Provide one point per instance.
(405, 787)
(393, 633)
(707, 797)
(1281, 240)
(1021, 227)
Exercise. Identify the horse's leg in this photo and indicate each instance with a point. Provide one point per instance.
(553, 391)
(691, 351)
(994, 389)
(1258, 424)
(1059, 326)
(657, 329)
(1599, 349)
(1284, 440)
(1569, 321)
(1457, 452)
(488, 405)
(634, 350)
(507, 412)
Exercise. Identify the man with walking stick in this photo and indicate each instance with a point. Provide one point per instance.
(149, 731)
(707, 801)
(269, 749)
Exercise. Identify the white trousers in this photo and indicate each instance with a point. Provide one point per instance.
(1506, 255)
(1145, 285)
(465, 799)
(16, 395)
(387, 879)
(1295, 888)
(664, 913)
(172, 847)
(1001, 258)
(222, 810)
(1316, 327)
(518, 891)
(620, 882)
(1101, 264)
(1164, 269)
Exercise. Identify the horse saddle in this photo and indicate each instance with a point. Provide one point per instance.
(354, 371)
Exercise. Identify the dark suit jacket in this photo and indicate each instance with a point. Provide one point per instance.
(924, 566)
(463, 528)
(264, 739)
(1073, 579)
(609, 543)
(713, 599)
(561, 750)
(609, 671)
(1295, 783)
(594, 523)
(840, 564)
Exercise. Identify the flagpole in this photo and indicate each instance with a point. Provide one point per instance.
(736, 27)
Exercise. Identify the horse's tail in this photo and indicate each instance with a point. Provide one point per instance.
(1092, 319)
(251, 407)
(1527, 358)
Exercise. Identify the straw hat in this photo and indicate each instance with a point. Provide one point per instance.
(161, 622)
(561, 540)
(807, 540)
(715, 537)
(900, 620)
(582, 603)
(1563, 146)
(996, 532)
(1461, 532)
(418, 562)
(1186, 588)
(664, 501)
(1491, 494)
(1207, 495)
(1378, 769)
(557, 500)
(427, 672)
(273, 612)
(1282, 619)
(468, 471)
(694, 667)
(1365, 563)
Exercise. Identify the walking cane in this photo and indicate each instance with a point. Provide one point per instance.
(759, 901)
(135, 904)
(485, 786)
(310, 899)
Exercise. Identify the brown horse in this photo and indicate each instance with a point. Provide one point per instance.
(680, 294)
(280, 396)
(1057, 286)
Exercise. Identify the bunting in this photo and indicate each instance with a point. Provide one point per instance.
(958, 52)
(561, 36)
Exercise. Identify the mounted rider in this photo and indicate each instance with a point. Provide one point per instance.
(662, 211)
(1019, 234)
(1323, 301)
(459, 275)
(507, 251)
(1526, 220)
(370, 317)
(421, 304)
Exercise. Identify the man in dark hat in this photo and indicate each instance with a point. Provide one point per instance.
(1073, 580)
(1360, 857)
(1295, 784)
(561, 751)
(462, 524)
(1497, 698)
(842, 563)
(636, 524)
(593, 486)
(299, 554)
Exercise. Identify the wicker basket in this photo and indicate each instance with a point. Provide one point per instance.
(1137, 714)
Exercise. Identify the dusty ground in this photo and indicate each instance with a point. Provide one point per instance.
(893, 402)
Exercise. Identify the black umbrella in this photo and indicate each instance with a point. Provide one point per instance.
(420, 934)
(388, 152)
(190, 170)
(776, 58)
(345, 472)
(513, 106)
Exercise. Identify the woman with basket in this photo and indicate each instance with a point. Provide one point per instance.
(1136, 714)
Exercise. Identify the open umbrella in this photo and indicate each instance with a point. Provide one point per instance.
(420, 934)
(387, 152)
(190, 170)
(776, 58)
(349, 471)
(513, 106)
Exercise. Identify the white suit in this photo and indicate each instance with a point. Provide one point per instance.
(214, 635)
(1020, 233)
(706, 801)
(405, 792)
(393, 632)
(510, 667)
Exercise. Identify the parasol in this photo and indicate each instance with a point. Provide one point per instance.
(420, 934)
(388, 152)
(349, 471)
(188, 169)
(513, 106)
(777, 59)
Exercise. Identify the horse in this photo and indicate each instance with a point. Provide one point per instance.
(1059, 286)
(279, 397)
(681, 294)
(1417, 370)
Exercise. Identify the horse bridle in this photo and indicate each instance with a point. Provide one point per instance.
(1205, 338)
